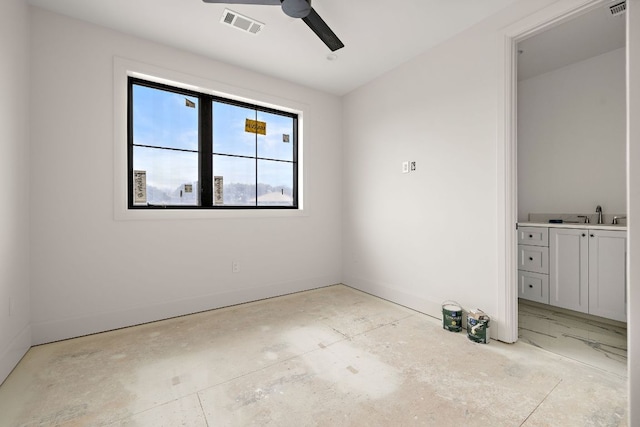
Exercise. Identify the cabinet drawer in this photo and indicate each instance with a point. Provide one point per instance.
(533, 286)
(535, 236)
(533, 258)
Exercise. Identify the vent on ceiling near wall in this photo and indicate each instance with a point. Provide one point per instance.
(241, 22)
(618, 8)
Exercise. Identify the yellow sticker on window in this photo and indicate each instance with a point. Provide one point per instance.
(254, 126)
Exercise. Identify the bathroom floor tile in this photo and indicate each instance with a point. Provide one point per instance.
(587, 340)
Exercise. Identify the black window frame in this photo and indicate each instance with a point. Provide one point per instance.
(205, 149)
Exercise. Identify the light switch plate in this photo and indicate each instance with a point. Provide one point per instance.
(405, 167)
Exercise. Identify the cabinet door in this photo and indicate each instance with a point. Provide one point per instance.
(569, 268)
(607, 274)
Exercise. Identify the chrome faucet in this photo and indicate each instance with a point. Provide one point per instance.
(586, 218)
(599, 212)
(616, 218)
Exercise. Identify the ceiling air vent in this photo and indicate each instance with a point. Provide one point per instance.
(241, 22)
(618, 8)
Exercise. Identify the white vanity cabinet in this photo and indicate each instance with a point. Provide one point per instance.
(587, 271)
(533, 264)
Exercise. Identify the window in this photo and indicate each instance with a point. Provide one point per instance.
(191, 150)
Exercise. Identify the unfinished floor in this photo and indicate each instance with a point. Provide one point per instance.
(329, 357)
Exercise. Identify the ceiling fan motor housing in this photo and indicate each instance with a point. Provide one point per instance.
(296, 8)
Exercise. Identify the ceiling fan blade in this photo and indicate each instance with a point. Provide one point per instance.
(265, 2)
(323, 31)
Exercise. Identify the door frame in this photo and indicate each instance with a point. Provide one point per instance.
(507, 214)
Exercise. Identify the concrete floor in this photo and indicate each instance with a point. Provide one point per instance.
(329, 357)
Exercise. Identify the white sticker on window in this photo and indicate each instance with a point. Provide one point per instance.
(218, 190)
(188, 188)
(285, 137)
(140, 187)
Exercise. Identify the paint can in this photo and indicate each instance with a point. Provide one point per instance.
(451, 316)
(478, 326)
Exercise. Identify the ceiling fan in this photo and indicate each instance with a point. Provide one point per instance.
(298, 9)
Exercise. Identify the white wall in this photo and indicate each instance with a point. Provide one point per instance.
(15, 336)
(91, 272)
(424, 237)
(633, 176)
(572, 138)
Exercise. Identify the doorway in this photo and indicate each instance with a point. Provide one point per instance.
(552, 16)
(571, 157)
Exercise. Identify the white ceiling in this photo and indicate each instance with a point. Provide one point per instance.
(583, 37)
(378, 35)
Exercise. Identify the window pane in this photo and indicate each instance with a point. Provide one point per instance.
(164, 119)
(253, 151)
(239, 179)
(171, 176)
(229, 135)
(275, 183)
(278, 142)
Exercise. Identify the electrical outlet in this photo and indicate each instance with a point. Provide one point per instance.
(405, 167)
(235, 267)
(413, 166)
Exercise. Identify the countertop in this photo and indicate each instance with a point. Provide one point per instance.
(590, 226)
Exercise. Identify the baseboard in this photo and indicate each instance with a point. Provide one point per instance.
(414, 302)
(46, 332)
(15, 352)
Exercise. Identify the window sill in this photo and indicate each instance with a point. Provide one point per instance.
(188, 214)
